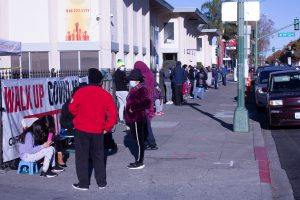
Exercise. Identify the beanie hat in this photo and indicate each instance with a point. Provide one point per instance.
(95, 75)
(135, 75)
(120, 63)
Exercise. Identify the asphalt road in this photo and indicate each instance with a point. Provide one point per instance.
(284, 149)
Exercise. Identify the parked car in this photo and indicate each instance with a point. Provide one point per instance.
(262, 83)
(256, 73)
(284, 98)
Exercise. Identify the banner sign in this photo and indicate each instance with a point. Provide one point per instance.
(31, 98)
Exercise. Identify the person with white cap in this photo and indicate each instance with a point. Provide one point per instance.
(121, 83)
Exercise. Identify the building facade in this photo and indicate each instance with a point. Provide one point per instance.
(80, 34)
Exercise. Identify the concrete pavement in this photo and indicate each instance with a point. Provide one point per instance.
(199, 157)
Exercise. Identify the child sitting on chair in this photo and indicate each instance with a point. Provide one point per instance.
(31, 149)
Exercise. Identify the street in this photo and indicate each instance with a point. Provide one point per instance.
(198, 157)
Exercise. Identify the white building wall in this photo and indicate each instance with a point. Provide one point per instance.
(41, 28)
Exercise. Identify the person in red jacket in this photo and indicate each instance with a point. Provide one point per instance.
(95, 114)
(137, 102)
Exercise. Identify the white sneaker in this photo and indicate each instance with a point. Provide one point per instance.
(169, 102)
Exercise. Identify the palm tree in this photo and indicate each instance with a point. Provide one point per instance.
(212, 10)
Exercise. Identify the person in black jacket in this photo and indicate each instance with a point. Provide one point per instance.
(178, 78)
(121, 88)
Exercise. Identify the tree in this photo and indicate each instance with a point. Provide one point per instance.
(280, 56)
(212, 10)
(265, 27)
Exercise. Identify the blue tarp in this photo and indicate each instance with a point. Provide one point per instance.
(9, 48)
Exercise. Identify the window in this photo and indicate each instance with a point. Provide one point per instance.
(199, 44)
(169, 32)
(39, 61)
(69, 60)
(89, 59)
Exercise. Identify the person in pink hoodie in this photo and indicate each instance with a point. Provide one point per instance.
(149, 80)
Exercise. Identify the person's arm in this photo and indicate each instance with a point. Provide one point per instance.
(73, 106)
(111, 113)
(29, 142)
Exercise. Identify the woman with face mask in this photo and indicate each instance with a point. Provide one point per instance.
(138, 101)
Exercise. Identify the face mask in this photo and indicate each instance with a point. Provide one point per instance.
(132, 83)
(122, 68)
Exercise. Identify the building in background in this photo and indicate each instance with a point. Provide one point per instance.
(77, 35)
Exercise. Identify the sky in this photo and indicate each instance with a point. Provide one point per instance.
(281, 12)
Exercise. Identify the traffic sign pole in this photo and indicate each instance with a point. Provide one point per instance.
(241, 120)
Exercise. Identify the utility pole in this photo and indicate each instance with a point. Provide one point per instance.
(241, 120)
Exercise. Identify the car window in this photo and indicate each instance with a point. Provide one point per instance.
(285, 83)
(264, 77)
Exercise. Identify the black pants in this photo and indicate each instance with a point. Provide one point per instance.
(178, 94)
(137, 129)
(88, 145)
(224, 80)
(149, 137)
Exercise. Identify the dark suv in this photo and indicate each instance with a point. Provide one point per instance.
(284, 98)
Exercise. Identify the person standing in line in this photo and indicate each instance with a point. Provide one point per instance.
(95, 114)
(159, 100)
(178, 75)
(192, 80)
(215, 74)
(224, 73)
(201, 77)
(138, 101)
(121, 88)
(148, 77)
(167, 79)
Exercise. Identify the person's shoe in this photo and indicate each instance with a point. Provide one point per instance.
(190, 97)
(101, 187)
(62, 165)
(48, 174)
(169, 102)
(77, 187)
(162, 113)
(158, 113)
(57, 169)
(151, 147)
(121, 122)
(136, 165)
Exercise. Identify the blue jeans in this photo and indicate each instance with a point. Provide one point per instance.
(197, 90)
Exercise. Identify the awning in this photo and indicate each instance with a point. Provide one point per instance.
(10, 48)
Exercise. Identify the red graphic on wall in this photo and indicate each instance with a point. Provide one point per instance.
(77, 34)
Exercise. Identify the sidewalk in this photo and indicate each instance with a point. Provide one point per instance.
(199, 157)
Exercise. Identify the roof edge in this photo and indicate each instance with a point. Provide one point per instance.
(165, 4)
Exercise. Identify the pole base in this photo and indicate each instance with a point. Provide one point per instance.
(241, 120)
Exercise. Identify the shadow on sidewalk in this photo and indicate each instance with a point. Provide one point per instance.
(224, 124)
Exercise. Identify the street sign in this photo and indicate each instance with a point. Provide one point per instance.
(262, 54)
(290, 34)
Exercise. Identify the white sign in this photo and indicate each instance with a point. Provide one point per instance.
(29, 98)
(251, 11)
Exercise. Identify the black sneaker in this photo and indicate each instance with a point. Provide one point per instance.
(57, 169)
(136, 165)
(48, 174)
(151, 147)
(77, 187)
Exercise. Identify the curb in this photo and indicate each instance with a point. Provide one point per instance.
(261, 156)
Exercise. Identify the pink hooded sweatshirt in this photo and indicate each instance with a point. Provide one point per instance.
(149, 81)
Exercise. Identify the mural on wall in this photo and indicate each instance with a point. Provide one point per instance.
(78, 14)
